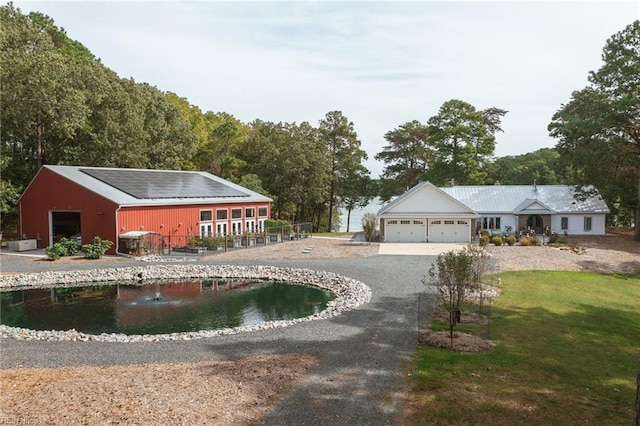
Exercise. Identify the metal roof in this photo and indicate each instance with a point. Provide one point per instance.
(516, 198)
(145, 187)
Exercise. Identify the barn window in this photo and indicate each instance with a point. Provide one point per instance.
(262, 211)
(436, 222)
(392, 222)
(418, 222)
(405, 222)
(206, 215)
(463, 222)
(449, 222)
(236, 213)
(250, 212)
(221, 214)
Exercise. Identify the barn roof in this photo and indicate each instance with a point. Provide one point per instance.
(145, 187)
(516, 198)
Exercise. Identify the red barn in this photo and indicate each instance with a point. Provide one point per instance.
(84, 202)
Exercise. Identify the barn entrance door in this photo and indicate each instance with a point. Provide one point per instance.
(64, 225)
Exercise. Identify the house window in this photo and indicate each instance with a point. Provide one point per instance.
(250, 212)
(206, 215)
(236, 213)
(587, 223)
(491, 223)
(262, 211)
(564, 223)
(221, 214)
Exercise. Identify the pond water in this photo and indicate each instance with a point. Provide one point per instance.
(160, 307)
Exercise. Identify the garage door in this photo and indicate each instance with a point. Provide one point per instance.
(449, 231)
(405, 231)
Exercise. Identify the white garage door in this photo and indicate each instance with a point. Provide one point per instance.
(449, 231)
(405, 231)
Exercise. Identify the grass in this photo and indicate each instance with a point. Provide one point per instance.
(568, 351)
(335, 234)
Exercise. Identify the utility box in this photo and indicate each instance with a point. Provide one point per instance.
(22, 245)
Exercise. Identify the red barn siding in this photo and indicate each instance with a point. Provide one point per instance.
(50, 192)
(178, 220)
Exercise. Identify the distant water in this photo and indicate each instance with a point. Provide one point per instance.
(355, 224)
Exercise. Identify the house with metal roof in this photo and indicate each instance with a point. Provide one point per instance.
(427, 213)
(116, 204)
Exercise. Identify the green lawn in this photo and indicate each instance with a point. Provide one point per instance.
(568, 351)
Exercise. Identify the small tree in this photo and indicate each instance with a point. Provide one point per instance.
(451, 275)
(369, 223)
(479, 264)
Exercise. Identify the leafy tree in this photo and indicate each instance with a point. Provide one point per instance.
(407, 157)
(599, 129)
(464, 142)
(542, 166)
(451, 274)
(344, 156)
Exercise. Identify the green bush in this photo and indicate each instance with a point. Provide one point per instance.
(97, 248)
(71, 246)
(64, 247)
(484, 240)
(510, 240)
(525, 241)
(554, 238)
(484, 233)
(496, 240)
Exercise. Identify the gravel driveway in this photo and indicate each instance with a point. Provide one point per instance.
(361, 354)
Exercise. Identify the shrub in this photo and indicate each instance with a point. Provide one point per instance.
(64, 247)
(554, 238)
(484, 233)
(71, 246)
(525, 241)
(97, 248)
(535, 241)
(497, 240)
(510, 240)
(484, 240)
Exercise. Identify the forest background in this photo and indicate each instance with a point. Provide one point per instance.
(60, 105)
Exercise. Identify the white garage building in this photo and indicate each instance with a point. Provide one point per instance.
(427, 213)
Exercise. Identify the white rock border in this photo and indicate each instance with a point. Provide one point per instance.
(349, 294)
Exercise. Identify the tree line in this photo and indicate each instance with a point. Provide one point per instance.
(61, 105)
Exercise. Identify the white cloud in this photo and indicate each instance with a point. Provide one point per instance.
(381, 63)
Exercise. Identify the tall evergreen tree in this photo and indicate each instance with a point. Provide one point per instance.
(599, 129)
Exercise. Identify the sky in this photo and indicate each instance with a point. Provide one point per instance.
(380, 63)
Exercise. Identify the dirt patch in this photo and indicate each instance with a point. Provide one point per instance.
(461, 342)
(238, 392)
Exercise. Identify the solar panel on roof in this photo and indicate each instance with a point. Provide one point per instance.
(144, 184)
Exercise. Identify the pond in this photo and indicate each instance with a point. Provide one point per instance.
(160, 307)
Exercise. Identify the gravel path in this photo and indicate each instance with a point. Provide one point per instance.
(361, 353)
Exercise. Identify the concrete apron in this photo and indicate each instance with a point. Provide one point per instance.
(418, 249)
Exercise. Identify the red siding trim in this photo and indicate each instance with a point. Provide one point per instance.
(50, 192)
